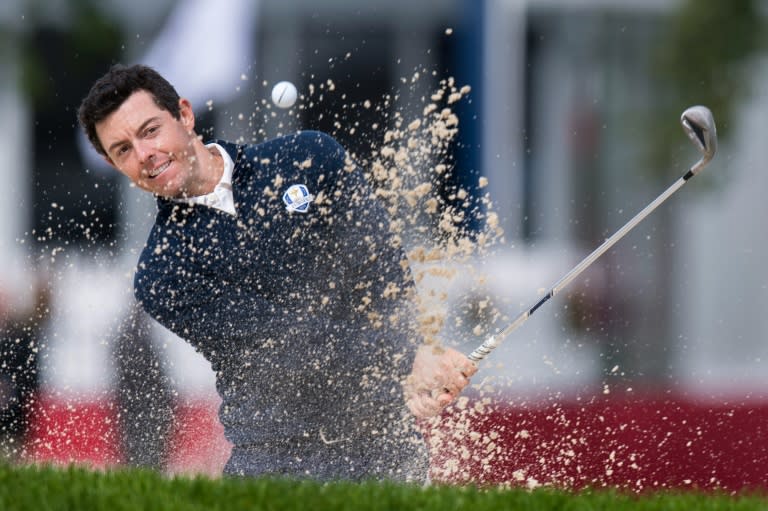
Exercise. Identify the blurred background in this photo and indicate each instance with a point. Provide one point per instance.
(573, 117)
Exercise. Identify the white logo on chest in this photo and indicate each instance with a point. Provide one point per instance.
(297, 198)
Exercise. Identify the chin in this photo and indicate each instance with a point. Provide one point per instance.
(169, 189)
(170, 193)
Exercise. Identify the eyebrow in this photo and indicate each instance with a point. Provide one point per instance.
(139, 130)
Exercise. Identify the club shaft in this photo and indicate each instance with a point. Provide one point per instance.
(493, 341)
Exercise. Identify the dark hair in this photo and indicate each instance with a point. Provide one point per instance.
(112, 89)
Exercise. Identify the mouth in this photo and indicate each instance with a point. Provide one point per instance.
(153, 173)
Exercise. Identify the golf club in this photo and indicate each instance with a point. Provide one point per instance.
(699, 125)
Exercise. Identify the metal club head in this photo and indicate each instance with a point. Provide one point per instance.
(699, 125)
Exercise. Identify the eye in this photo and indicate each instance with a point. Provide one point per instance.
(122, 149)
(151, 130)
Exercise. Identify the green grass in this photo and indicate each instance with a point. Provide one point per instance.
(46, 488)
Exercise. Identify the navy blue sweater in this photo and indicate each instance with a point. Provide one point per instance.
(302, 315)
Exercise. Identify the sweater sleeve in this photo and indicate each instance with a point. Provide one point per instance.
(380, 264)
(202, 307)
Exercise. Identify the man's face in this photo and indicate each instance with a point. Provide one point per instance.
(151, 147)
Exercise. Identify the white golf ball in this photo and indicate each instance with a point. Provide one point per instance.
(284, 94)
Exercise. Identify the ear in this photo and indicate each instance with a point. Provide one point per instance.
(187, 115)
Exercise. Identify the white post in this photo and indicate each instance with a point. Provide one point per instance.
(15, 169)
(503, 97)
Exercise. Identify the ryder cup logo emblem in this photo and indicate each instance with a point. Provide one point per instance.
(297, 198)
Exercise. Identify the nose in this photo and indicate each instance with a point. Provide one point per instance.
(145, 151)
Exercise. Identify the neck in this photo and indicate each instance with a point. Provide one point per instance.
(211, 168)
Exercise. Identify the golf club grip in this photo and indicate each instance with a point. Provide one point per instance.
(493, 341)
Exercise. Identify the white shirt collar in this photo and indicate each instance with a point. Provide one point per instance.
(221, 197)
